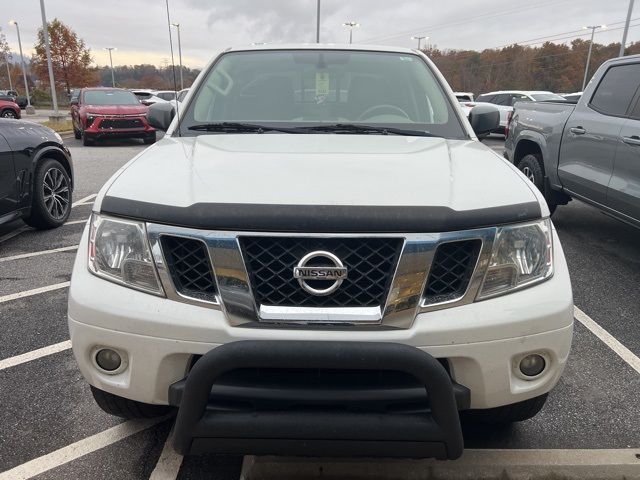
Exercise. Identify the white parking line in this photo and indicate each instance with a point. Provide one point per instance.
(623, 352)
(36, 254)
(83, 201)
(169, 462)
(34, 354)
(35, 291)
(78, 449)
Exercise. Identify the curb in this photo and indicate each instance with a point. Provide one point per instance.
(474, 464)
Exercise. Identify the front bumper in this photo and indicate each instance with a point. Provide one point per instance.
(98, 130)
(317, 429)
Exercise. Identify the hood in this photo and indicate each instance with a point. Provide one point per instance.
(115, 109)
(325, 182)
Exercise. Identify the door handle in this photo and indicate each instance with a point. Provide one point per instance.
(577, 130)
(635, 140)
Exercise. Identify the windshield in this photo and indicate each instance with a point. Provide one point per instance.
(301, 88)
(544, 97)
(110, 97)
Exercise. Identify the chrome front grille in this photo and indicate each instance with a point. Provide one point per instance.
(370, 263)
(391, 278)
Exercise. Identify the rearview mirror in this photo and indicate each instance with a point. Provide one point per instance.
(160, 115)
(484, 119)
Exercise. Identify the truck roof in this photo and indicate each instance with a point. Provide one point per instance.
(321, 46)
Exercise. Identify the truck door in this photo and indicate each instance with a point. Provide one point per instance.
(591, 135)
(8, 199)
(624, 189)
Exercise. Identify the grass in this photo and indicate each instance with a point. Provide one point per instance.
(64, 126)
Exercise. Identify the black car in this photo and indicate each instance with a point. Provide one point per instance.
(36, 175)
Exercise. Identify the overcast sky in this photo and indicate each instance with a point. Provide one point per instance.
(138, 28)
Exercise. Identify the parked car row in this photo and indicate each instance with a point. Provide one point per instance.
(12, 96)
(504, 100)
(99, 113)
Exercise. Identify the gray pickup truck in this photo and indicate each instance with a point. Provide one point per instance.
(588, 150)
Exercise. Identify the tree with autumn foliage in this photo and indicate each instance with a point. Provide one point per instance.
(70, 58)
(5, 55)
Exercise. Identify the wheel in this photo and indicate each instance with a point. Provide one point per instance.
(150, 139)
(8, 114)
(531, 166)
(87, 141)
(51, 200)
(125, 408)
(516, 412)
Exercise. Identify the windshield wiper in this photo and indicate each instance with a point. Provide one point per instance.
(366, 129)
(238, 127)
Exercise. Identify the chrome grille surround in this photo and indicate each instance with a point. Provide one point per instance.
(405, 298)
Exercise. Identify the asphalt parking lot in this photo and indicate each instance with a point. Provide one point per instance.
(51, 427)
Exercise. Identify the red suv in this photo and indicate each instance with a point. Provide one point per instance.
(99, 113)
(9, 109)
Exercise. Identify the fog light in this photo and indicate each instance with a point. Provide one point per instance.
(532, 365)
(108, 359)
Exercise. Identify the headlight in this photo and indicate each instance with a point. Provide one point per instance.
(522, 255)
(119, 251)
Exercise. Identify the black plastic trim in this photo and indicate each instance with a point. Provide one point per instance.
(320, 218)
(318, 432)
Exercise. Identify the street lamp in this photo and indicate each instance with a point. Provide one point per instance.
(177, 25)
(593, 29)
(24, 68)
(419, 40)
(113, 77)
(351, 25)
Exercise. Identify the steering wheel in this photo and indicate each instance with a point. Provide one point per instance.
(388, 108)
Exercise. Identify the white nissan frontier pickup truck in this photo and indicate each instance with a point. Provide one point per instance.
(319, 258)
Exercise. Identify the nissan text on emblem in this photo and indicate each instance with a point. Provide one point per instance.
(320, 267)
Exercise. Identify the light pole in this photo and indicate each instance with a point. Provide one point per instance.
(318, 23)
(626, 29)
(113, 77)
(177, 25)
(24, 68)
(351, 25)
(45, 34)
(419, 40)
(593, 29)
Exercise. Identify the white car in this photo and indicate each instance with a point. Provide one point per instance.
(148, 97)
(506, 99)
(182, 94)
(466, 101)
(321, 264)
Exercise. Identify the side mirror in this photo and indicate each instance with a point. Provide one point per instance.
(160, 115)
(484, 119)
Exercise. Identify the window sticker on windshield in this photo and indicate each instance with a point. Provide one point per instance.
(322, 84)
(406, 59)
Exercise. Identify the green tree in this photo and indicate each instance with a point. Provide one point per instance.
(70, 58)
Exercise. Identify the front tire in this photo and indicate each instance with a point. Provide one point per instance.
(51, 198)
(125, 408)
(87, 141)
(516, 412)
(150, 139)
(532, 167)
(8, 114)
